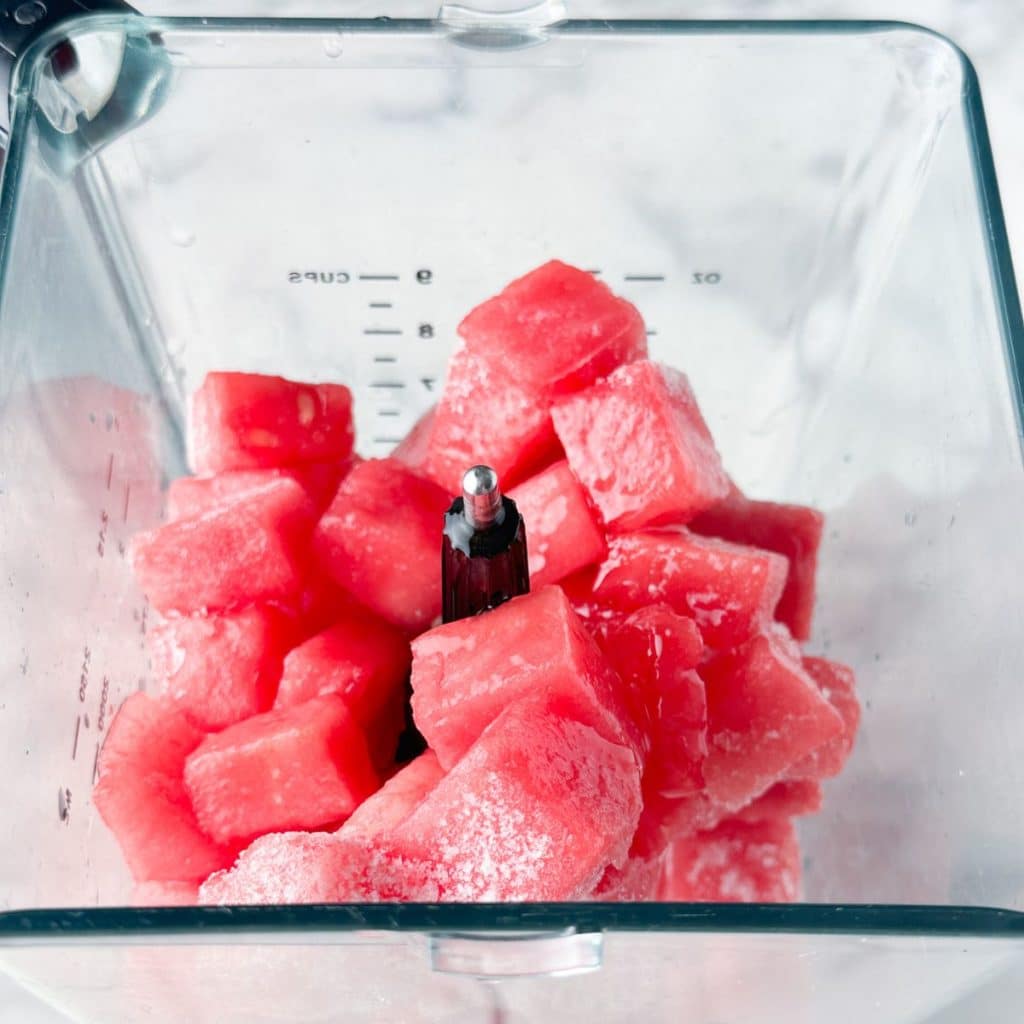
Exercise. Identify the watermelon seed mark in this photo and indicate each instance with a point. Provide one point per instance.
(127, 497)
(78, 729)
(110, 470)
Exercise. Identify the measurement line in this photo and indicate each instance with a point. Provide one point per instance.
(78, 729)
(385, 359)
(127, 497)
(389, 412)
(645, 277)
(378, 277)
(651, 333)
(381, 305)
(382, 330)
(95, 764)
(110, 470)
(386, 440)
(596, 273)
(396, 384)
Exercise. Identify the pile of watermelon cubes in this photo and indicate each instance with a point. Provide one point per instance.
(642, 725)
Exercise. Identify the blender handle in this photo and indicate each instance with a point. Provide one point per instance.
(22, 22)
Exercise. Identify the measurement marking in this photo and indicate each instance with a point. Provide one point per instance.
(378, 277)
(596, 273)
(386, 440)
(110, 470)
(651, 332)
(396, 384)
(381, 305)
(382, 330)
(78, 729)
(95, 764)
(385, 359)
(127, 497)
(389, 412)
(645, 277)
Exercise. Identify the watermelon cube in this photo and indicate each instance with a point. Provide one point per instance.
(465, 673)
(361, 658)
(790, 530)
(639, 445)
(165, 894)
(838, 686)
(737, 862)
(637, 881)
(381, 541)
(141, 796)
(300, 767)
(791, 798)
(248, 421)
(246, 552)
(765, 714)
(537, 809)
(729, 590)
(396, 799)
(221, 668)
(562, 533)
(413, 449)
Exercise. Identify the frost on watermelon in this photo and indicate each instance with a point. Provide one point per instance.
(790, 530)
(737, 862)
(141, 796)
(536, 810)
(248, 420)
(791, 798)
(639, 445)
(838, 686)
(465, 673)
(221, 668)
(562, 534)
(380, 541)
(396, 799)
(765, 714)
(729, 590)
(249, 551)
(300, 767)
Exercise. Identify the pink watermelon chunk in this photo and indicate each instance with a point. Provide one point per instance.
(838, 686)
(165, 894)
(765, 713)
(193, 495)
(636, 881)
(248, 420)
(295, 768)
(465, 673)
(735, 863)
(361, 658)
(141, 797)
(639, 445)
(562, 534)
(729, 590)
(396, 799)
(792, 798)
(413, 449)
(380, 540)
(221, 668)
(790, 530)
(536, 810)
(246, 552)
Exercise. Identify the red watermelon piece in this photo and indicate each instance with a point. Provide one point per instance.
(838, 685)
(790, 530)
(380, 540)
(562, 533)
(249, 420)
(141, 797)
(737, 862)
(729, 590)
(536, 810)
(396, 799)
(293, 768)
(640, 447)
(791, 798)
(247, 552)
(361, 658)
(765, 714)
(413, 449)
(465, 673)
(637, 881)
(221, 668)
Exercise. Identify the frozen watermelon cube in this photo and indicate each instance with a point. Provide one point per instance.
(838, 686)
(729, 590)
(221, 668)
(639, 445)
(765, 713)
(396, 799)
(381, 541)
(559, 327)
(300, 767)
(737, 862)
(465, 673)
(361, 658)
(141, 797)
(791, 798)
(637, 881)
(249, 420)
(536, 810)
(246, 552)
(790, 530)
(562, 533)
(413, 449)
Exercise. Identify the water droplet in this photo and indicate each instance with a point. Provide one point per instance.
(182, 237)
(332, 45)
